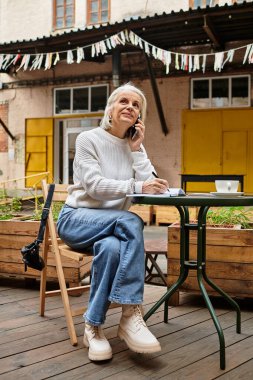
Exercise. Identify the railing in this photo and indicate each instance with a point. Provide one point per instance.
(4, 184)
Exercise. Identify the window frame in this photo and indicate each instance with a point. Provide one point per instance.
(229, 77)
(89, 22)
(64, 16)
(71, 99)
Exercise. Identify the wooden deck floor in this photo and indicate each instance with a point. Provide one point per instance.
(32, 347)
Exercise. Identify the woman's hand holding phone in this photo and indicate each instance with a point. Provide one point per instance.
(136, 135)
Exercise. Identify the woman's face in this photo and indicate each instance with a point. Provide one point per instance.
(125, 111)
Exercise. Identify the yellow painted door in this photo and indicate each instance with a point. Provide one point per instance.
(235, 152)
(202, 149)
(38, 149)
(218, 142)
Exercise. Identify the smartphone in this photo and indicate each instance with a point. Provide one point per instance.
(132, 130)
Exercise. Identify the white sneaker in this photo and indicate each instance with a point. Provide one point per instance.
(134, 331)
(99, 347)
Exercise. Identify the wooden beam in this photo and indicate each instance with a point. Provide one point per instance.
(7, 130)
(210, 31)
(157, 96)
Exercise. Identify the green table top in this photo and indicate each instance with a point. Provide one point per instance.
(194, 200)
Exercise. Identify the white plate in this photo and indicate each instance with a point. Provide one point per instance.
(218, 194)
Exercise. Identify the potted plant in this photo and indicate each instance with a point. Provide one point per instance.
(229, 253)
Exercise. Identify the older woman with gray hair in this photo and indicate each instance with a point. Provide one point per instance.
(111, 162)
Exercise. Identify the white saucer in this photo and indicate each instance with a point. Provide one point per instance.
(219, 194)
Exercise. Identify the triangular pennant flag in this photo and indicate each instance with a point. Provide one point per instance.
(131, 37)
(126, 34)
(250, 54)
(93, 50)
(204, 63)
(218, 61)
(167, 59)
(190, 64)
(123, 38)
(48, 61)
(247, 53)
(70, 57)
(195, 62)
(103, 47)
(146, 49)
(80, 54)
(37, 62)
(230, 56)
(5, 61)
(176, 62)
(108, 43)
(22, 63)
(57, 58)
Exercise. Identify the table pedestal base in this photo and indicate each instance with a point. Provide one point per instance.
(200, 266)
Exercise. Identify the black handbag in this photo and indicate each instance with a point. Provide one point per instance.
(30, 252)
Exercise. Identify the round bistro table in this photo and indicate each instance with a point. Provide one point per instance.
(203, 202)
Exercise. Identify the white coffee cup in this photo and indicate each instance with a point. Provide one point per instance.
(226, 186)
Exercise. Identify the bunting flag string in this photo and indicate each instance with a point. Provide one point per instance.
(181, 61)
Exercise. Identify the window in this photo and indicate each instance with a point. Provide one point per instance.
(97, 11)
(204, 3)
(212, 3)
(78, 100)
(220, 92)
(64, 11)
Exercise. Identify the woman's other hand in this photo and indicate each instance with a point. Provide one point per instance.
(155, 186)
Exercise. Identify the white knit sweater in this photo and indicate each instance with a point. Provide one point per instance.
(105, 170)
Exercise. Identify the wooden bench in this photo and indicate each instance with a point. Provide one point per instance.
(145, 212)
(185, 178)
(155, 248)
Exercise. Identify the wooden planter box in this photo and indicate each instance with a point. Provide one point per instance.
(144, 211)
(169, 214)
(229, 260)
(14, 235)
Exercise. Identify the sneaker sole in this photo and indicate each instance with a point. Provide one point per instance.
(136, 348)
(96, 356)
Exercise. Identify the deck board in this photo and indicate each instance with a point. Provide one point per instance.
(34, 347)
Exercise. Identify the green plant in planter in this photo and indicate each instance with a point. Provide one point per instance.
(230, 216)
(9, 209)
(56, 208)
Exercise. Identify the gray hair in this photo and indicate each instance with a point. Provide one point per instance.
(105, 122)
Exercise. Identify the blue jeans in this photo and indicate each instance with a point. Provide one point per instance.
(118, 267)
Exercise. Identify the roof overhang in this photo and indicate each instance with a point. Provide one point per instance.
(211, 26)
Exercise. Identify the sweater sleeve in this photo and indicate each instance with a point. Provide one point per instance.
(142, 165)
(143, 169)
(87, 170)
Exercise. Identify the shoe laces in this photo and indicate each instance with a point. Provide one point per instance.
(97, 332)
(138, 316)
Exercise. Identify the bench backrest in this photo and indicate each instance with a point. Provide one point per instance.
(60, 192)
